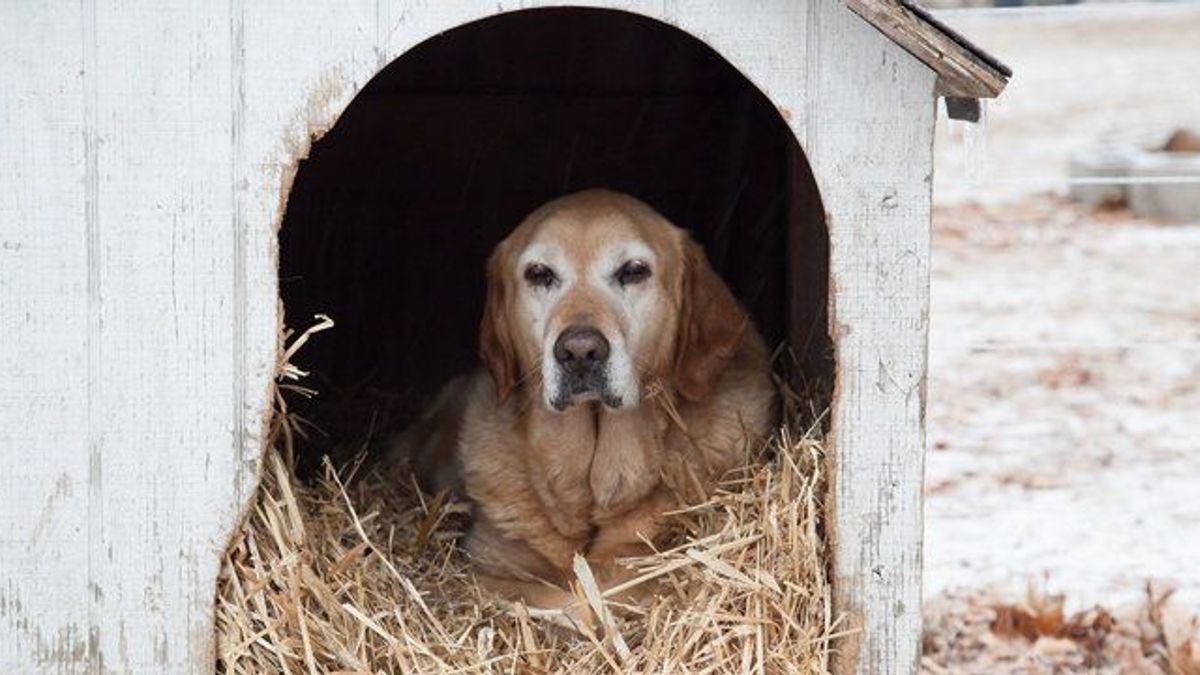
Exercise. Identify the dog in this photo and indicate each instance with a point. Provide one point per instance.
(620, 374)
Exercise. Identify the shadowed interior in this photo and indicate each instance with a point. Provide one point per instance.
(393, 214)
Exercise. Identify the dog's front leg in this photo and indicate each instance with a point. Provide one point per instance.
(560, 454)
(628, 461)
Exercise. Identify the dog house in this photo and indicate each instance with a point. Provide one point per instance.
(149, 157)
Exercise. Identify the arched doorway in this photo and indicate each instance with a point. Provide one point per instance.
(392, 215)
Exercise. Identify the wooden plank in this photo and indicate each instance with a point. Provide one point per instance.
(961, 72)
(120, 425)
(966, 109)
(869, 140)
(163, 374)
(44, 294)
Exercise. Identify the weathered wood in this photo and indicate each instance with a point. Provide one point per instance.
(143, 171)
(870, 143)
(125, 472)
(44, 352)
(966, 109)
(961, 71)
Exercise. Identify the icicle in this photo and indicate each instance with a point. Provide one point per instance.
(975, 144)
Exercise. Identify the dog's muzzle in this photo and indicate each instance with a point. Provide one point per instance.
(581, 353)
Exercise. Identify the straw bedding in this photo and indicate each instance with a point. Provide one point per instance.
(359, 572)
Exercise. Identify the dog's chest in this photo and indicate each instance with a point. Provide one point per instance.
(596, 465)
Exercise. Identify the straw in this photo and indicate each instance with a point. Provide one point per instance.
(358, 572)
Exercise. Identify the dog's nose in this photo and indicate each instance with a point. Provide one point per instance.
(580, 349)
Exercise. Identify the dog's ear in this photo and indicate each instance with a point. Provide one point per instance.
(496, 347)
(711, 325)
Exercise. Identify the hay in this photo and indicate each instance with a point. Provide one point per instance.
(359, 572)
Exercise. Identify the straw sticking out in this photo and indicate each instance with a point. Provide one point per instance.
(358, 573)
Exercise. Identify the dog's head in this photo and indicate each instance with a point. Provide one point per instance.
(595, 296)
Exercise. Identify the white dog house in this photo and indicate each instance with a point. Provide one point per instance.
(147, 155)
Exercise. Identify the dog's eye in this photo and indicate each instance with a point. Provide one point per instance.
(632, 272)
(540, 276)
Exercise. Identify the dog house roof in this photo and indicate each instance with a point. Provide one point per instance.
(964, 70)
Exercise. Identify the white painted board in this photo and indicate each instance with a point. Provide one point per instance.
(870, 143)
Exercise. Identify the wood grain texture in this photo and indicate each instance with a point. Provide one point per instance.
(146, 155)
(162, 439)
(119, 438)
(44, 291)
(961, 72)
(870, 144)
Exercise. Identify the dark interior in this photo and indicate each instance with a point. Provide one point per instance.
(393, 214)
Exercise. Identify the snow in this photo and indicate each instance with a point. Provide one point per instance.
(1064, 385)
(1064, 403)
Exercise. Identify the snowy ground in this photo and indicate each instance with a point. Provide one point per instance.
(1064, 392)
(1064, 402)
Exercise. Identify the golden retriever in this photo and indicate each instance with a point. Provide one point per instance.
(614, 355)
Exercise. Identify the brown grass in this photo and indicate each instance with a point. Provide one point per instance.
(360, 573)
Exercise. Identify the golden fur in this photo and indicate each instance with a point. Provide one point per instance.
(594, 479)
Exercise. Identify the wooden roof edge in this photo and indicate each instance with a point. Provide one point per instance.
(964, 70)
